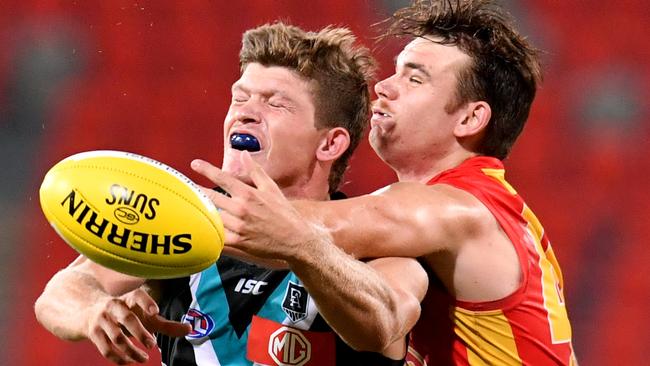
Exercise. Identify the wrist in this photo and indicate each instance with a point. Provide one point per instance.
(311, 248)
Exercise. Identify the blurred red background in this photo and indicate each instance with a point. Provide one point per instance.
(154, 78)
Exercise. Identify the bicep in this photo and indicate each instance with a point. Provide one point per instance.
(405, 219)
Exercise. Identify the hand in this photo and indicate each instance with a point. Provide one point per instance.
(259, 220)
(116, 321)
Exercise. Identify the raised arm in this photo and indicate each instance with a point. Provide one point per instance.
(88, 301)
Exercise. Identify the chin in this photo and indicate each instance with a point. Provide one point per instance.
(382, 149)
(378, 142)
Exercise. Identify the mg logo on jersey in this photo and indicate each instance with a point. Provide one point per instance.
(202, 323)
(289, 347)
(273, 343)
(295, 302)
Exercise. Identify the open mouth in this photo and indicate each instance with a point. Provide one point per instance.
(379, 113)
(244, 142)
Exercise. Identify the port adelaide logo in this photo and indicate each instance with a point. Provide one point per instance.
(295, 302)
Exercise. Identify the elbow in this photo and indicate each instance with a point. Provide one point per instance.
(375, 339)
(39, 309)
(397, 322)
(383, 330)
(44, 315)
(42, 312)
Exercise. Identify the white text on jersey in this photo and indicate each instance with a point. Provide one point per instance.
(249, 286)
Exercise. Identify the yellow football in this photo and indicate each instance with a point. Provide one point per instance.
(132, 214)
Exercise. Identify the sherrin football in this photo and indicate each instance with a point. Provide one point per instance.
(132, 214)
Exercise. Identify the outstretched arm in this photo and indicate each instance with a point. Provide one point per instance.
(88, 301)
(403, 219)
(369, 311)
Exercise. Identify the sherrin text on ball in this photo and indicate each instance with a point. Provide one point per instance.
(132, 214)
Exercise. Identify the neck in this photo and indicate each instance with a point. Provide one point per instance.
(312, 186)
(306, 192)
(422, 170)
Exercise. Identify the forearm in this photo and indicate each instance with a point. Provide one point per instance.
(352, 297)
(67, 294)
(77, 293)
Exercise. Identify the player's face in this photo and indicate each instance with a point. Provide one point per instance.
(410, 119)
(272, 115)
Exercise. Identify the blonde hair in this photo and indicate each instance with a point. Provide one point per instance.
(341, 69)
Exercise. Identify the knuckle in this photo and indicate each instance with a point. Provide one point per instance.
(106, 353)
(114, 305)
(96, 331)
(238, 227)
(120, 340)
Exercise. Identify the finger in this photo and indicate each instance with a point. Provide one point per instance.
(230, 215)
(106, 349)
(232, 238)
(168, 327)
(232, 224)
(217, 176)
(135, 326)
(260, 179)
(222, 201)
(141, 299)
(121, 341)
(129, 321)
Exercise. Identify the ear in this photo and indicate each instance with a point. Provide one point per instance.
(333, 144)
(475, 120)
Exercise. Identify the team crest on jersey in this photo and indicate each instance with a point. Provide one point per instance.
(202, 323)
(295, 302)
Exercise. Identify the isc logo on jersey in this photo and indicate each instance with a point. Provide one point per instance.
(289, 347)
(250, 286)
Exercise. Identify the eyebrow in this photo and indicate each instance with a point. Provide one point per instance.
(414, 66)
(418, 67)
(266, 93)
(238, 86)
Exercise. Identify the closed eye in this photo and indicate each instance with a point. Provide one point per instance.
(239, 98)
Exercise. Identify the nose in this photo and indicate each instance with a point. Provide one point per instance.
(386, 89)
(247, 113)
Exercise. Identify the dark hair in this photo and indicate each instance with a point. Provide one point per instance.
(341, 69)
(505, 68)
